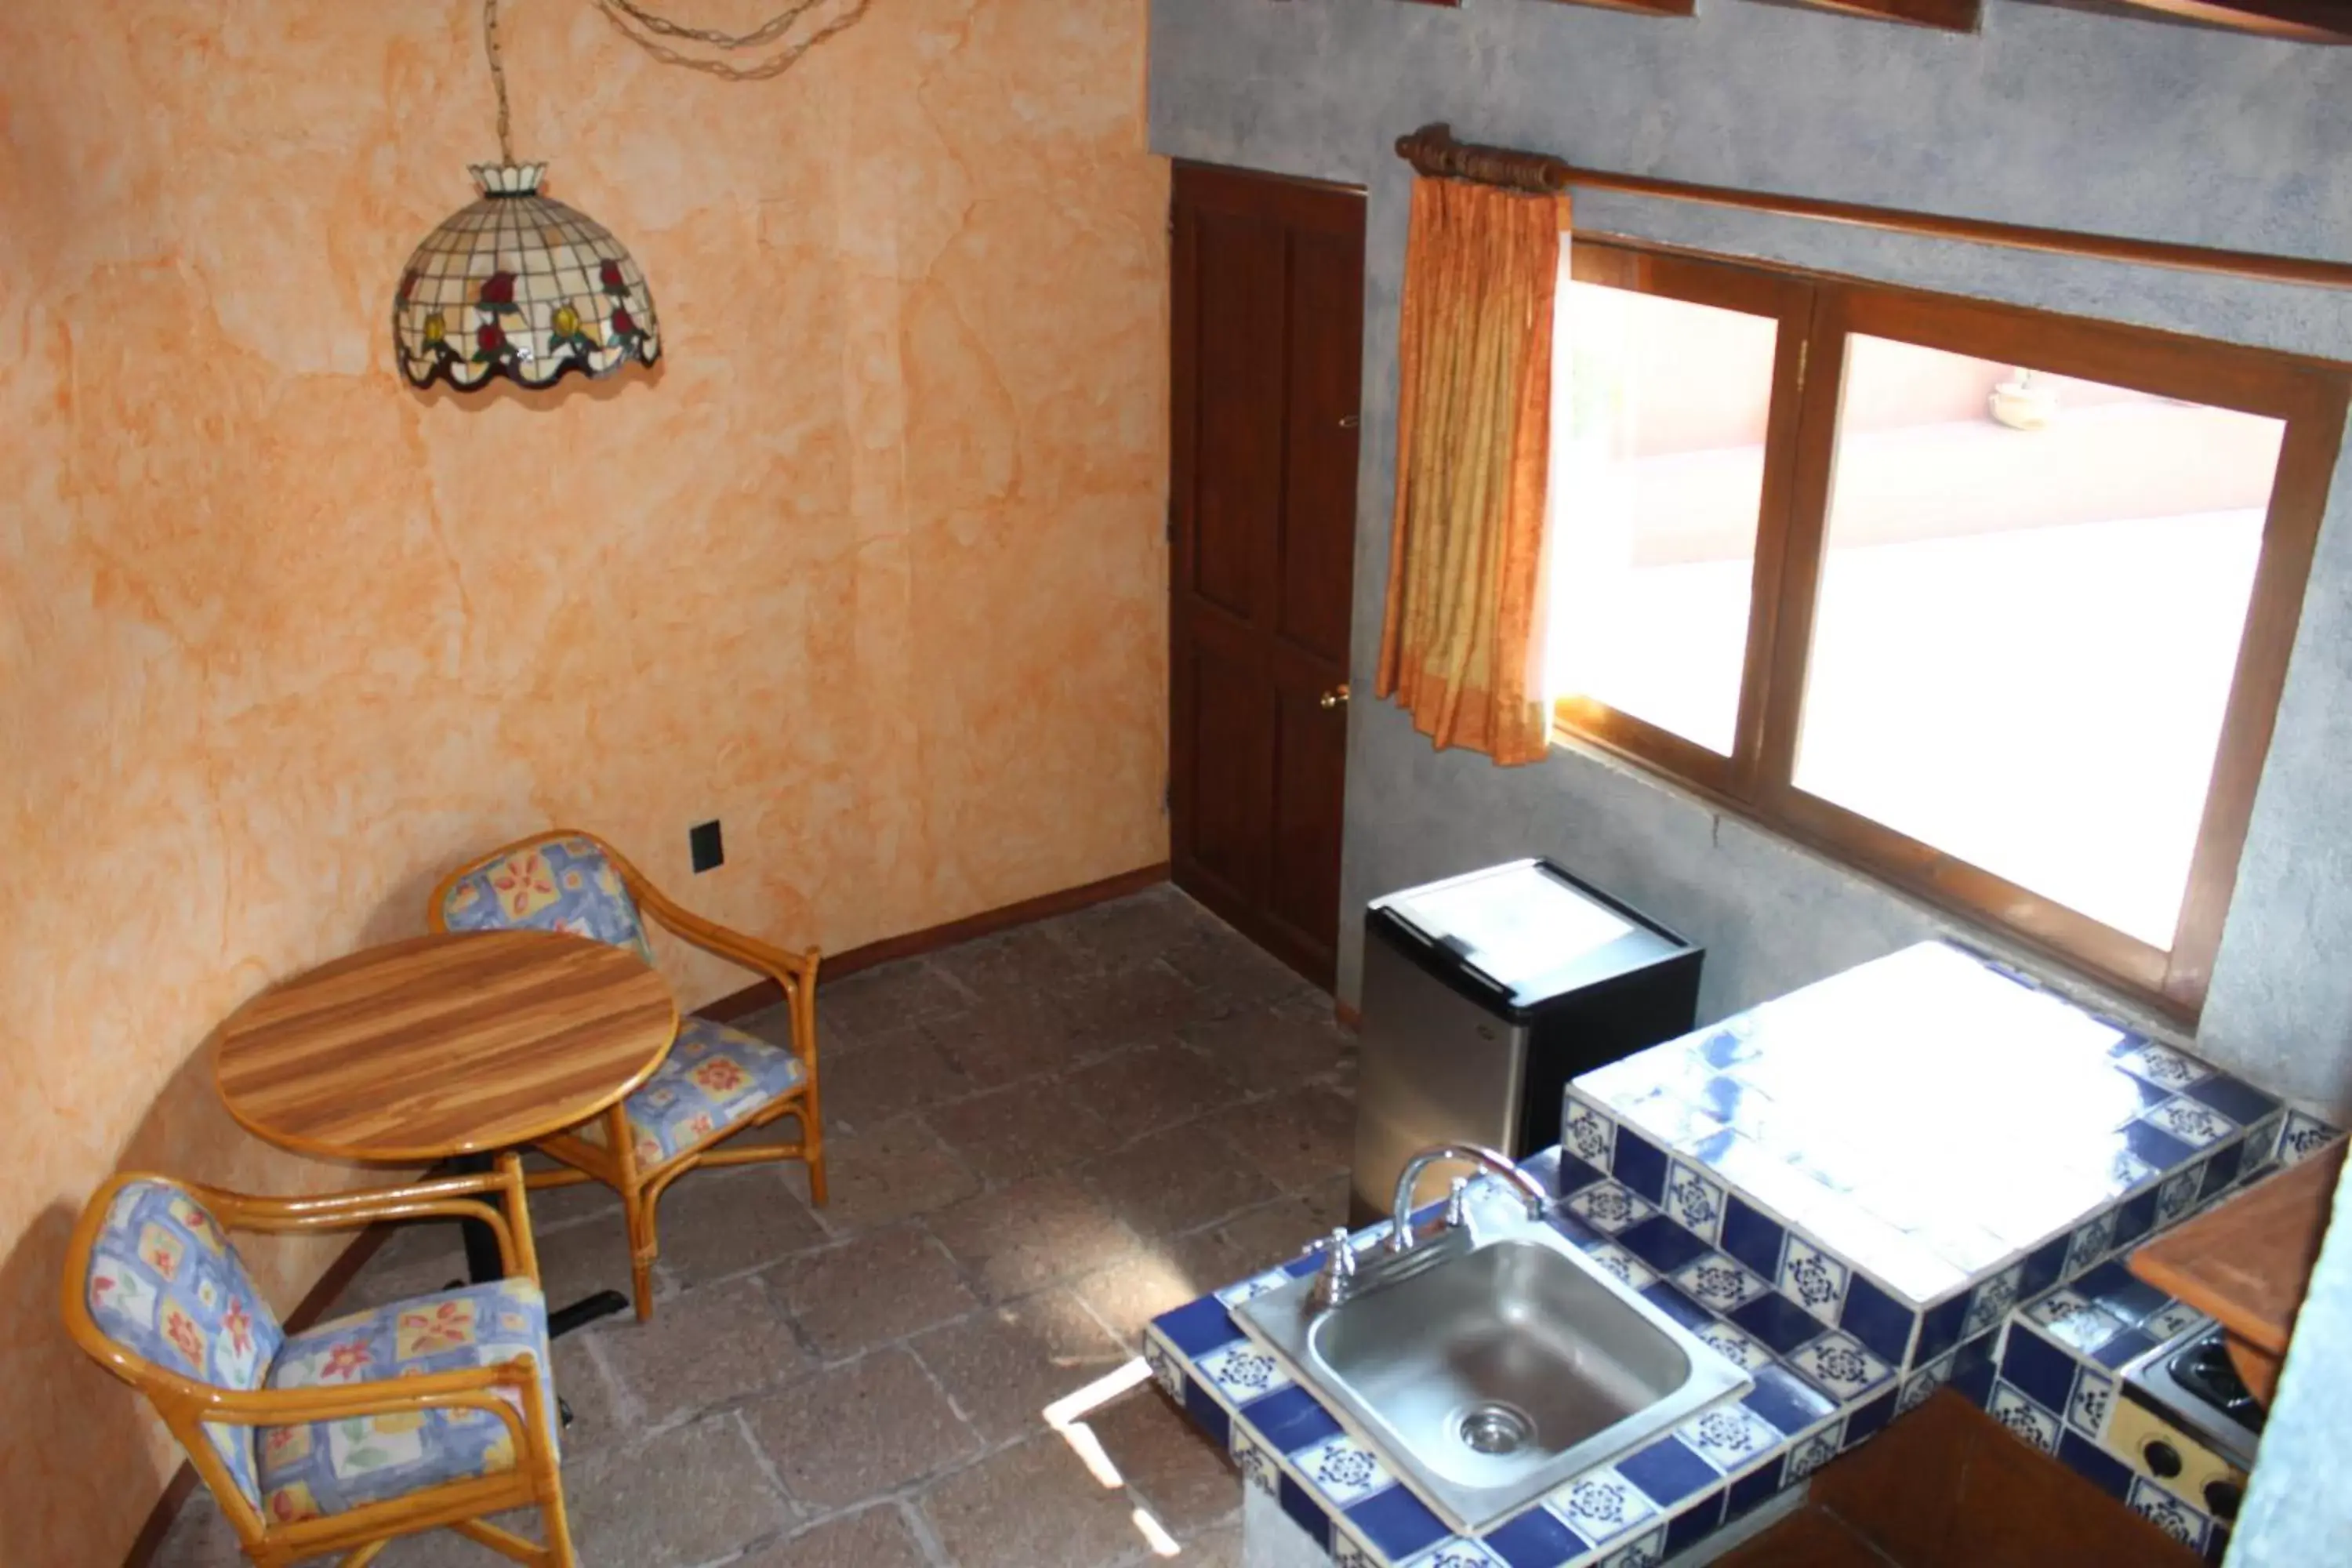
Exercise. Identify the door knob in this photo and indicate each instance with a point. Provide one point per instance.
(1335, 698)
(1350, 421)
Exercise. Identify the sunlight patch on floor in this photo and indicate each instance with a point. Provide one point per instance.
(1155, 1535)
(1067, 1416)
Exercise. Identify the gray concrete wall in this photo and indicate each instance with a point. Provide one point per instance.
(2049, 117)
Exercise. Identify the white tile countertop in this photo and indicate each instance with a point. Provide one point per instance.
(1849, 1191)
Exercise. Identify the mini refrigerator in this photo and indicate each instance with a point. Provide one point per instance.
(1482, 995)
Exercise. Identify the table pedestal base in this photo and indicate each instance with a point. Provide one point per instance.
(584, 1312)
(484, 1263)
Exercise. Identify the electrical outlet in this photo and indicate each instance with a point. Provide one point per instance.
(702, 841)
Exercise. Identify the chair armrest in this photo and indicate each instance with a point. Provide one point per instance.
(467, 1388)
(443, 1197)
(793, 971)
(789, 969)
(794, 974)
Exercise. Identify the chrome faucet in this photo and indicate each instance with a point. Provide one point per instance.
(1346, 1273)
(1400, 1237)
(1334, 1283)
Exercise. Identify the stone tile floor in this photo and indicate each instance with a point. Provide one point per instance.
(1037, 1141)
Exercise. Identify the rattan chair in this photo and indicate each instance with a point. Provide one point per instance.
(716, 1081)
(427, 1414)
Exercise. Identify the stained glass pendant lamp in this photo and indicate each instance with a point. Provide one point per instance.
(519, 285)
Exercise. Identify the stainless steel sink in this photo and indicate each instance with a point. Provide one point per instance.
(1499, 1374)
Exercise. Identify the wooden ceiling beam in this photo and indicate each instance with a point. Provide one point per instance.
(1641, 7)
(2308, 21)
(1944, 15)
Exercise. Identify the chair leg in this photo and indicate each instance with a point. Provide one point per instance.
(520, 1548)
(811, 1123)
(559, 1531)
(642, 1250)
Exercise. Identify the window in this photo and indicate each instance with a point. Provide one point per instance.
(1992, 602)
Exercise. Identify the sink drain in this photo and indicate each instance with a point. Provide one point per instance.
(1494, 1429)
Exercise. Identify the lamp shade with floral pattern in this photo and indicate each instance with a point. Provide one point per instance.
(519, 286)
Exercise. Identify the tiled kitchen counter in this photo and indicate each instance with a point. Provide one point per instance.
(2053, 1386)
(1682, 1487)
(1848, 1191)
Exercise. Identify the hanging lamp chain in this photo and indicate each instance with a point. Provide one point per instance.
(499, 79)
(621, 13)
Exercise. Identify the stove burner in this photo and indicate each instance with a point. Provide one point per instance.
(2204, 1370)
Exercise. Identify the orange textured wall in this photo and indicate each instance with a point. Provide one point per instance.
(871, 569)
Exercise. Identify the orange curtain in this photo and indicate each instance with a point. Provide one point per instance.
(1459, 643)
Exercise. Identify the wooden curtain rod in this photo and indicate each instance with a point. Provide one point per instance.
(1432, 150)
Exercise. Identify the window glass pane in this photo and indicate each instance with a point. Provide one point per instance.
(1659, 414)
(2032, 596)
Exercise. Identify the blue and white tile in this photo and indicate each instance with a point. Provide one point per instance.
(1602, 1505)
(1167, 1370)
(2026, 1420)
(1729, 1043)
(1646, 1552)
(2112, 1288)
(1586, 1134)
(2122, 1171)
(2301, 1137)
(1694, 1202)
(1730, 1436)
(1718, 1283)
(2172, 1318)
(2225, 1169)
(1814, 1280)
(2262, 1143)
(2161, 1064)
(1922, 1382)
(1623, 1263)
(2177, 1518)
(2198, 1126)
(1254, 1460)
(1347, 1551)
(1343, 1469)
(2179, 1194)
(1842, 1367)
(1669, 1070)
(1242, 1371)
(1812, 1451)
(2090, 1243)
(1966, 1245)
(2234, 1097)
(1671, 1123)
(1732, 1345)
(1458, 1552)
(1992, 1300)
(1251, 1289)
(2075, 1322)
(2093, 1402)
(1609, 1206)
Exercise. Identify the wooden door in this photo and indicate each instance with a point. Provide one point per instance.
(1267, 361)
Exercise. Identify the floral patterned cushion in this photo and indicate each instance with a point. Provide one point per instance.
(556, 884)
(331, 1467)
(166, 1284)
(713, 1078)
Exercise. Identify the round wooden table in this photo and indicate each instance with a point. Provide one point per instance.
(446, 1047)
(458, 1043)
